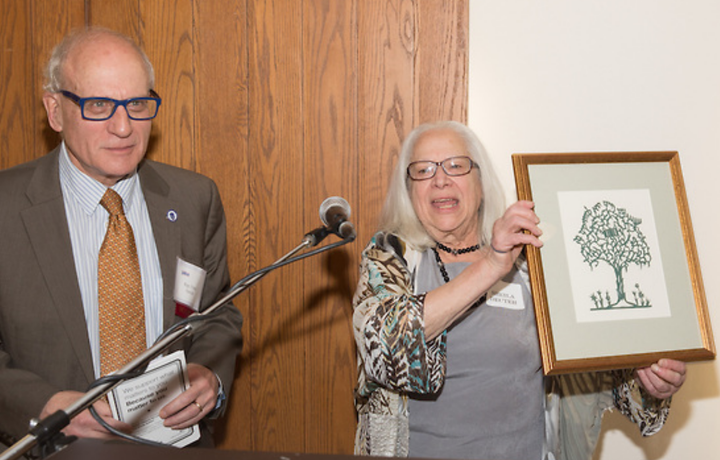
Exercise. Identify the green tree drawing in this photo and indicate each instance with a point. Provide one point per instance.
(609, 234)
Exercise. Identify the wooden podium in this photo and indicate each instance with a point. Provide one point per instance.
(92, 449)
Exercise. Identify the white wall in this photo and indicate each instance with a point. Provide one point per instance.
(591, 75)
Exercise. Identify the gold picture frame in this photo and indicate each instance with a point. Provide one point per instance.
(617, 283)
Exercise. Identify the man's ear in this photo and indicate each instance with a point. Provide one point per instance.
(52, 107)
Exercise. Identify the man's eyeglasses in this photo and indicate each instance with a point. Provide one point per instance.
(454, 166)
(103, 108)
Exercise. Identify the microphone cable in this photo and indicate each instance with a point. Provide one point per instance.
(112, 378)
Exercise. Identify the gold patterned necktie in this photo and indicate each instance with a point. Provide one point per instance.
(120, 298)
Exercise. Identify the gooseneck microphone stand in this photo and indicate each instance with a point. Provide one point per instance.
(46, 431)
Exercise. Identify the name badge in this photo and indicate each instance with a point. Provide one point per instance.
(189, 282)
(506, 295)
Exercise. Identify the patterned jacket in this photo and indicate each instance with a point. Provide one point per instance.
(394, 359)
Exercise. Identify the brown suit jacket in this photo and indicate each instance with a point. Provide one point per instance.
(44, 345)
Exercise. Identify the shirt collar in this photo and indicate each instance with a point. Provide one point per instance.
(87, 191)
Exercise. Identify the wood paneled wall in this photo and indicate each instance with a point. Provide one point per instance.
(283, 103)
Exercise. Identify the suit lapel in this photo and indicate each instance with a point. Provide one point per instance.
(47, 228)
(166, 232)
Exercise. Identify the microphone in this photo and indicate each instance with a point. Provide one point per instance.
(334, 213)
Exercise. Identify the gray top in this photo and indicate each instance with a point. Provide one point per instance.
(491, 404)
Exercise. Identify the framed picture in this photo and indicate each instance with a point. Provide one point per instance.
(617, 283)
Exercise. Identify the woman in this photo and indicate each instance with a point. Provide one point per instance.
(448, 357)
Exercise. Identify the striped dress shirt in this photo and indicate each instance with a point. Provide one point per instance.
(87, 222)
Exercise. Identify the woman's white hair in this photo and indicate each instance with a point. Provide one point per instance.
(54, 77)
(398, 215)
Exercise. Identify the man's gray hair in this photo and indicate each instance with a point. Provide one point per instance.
(54, 77)
(398, 215)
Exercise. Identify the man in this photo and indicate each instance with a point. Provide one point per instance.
(52, 227)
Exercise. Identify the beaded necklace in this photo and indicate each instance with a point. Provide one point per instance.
(456, 252)
(441, 266)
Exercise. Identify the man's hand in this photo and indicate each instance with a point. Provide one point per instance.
(84, 424)
(662, 379)
(194, 403)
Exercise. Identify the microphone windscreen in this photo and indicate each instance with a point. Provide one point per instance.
(326, 210)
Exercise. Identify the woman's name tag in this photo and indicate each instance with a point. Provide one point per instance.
(506, 295)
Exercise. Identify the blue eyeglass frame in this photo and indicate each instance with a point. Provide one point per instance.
(80, 101)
